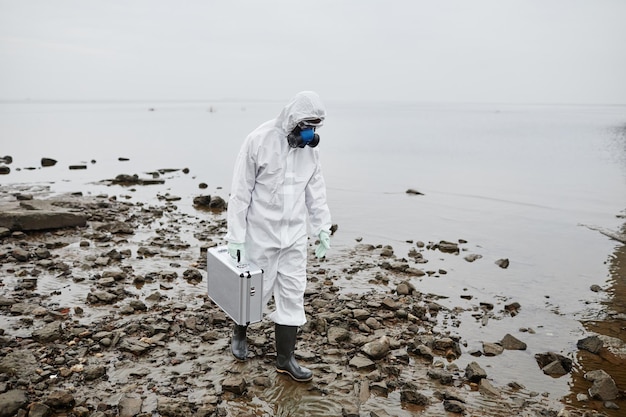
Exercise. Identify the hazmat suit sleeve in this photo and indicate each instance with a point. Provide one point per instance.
(240, 194)
(319, 214)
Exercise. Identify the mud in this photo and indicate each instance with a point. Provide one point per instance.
(113, 319)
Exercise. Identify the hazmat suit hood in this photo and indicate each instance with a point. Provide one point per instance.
(306, 105)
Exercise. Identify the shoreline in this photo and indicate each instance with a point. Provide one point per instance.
(113, 317)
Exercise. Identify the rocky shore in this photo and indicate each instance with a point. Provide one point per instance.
(104, 313)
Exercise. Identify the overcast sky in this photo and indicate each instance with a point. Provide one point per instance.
(546, 51)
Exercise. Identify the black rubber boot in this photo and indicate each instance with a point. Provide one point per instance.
(239, 344)
(285, 359)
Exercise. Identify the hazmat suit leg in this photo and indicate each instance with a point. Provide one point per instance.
(288, 285)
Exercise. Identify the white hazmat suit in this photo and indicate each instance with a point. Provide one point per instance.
(277, 192)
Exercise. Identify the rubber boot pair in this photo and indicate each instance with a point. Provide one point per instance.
(285, 348)
(285, 359)
(239, 343)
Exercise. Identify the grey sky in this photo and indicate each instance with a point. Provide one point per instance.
(547, 51)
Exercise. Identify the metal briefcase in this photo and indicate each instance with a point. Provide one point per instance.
(237, 288)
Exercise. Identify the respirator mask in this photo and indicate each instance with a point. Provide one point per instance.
(304, 134)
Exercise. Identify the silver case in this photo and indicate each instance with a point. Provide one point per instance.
(235, 288)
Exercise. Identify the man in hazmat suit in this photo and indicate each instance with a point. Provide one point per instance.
(277, 191)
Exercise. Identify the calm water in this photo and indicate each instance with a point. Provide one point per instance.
(516, 182)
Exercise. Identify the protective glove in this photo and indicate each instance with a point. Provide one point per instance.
(324, 245)
(233, 248)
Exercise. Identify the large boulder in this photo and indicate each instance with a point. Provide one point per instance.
(25, 220)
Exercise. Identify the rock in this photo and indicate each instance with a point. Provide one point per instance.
(202, 200)
(492, 349)
(117, 228)
(409, 394)
(513, 308)
(138, 305)
(106, 282)
(613, 350)
(441, 375)
(553, 364)
(130, 406)
(37, 409)
(509, 342)
(262, 381)
(377, 349)
(362, 363)
(403, 289)
(372, 323)
(60, 400)
(18, 309)
(454, 406)
(554, 368)
(336, 335)
(126, 180)
(98, 297)
(474, 373)
(424, 351)
(4, 170)
(20, 254)
(192, 275)
(94, 372)
(40, 219)
(361, 314)
(448, 247)
(134, 345)
(503, 263)
(48, 162)
(235, 384)
(102, 261)
(486, 388)
(591, 344)
(603, 387)
(11, 402)
(390, 304)
(49, 333)
(21, 363)
(472, 257)
(146, 251)
(412, 191)
(42, 253)
(217, 203)
(214, 203)
(171, 407)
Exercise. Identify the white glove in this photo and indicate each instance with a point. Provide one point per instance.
(236, 251)
(324, 245)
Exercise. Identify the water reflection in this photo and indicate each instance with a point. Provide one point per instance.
(618, 144)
